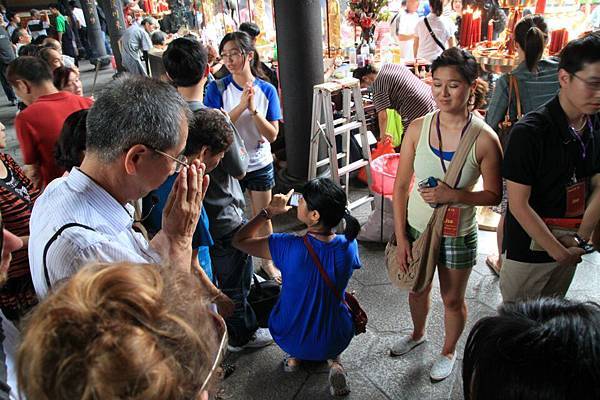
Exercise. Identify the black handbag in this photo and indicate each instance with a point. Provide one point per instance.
(262, 297)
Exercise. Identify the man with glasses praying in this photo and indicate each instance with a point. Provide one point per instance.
(552, 168)
(136, 134)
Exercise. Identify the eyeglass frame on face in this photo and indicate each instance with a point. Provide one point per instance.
(181, 160)
(220, 355)
(592, 86)
(232, 55)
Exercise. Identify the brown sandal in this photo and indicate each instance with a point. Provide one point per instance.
(494, 263)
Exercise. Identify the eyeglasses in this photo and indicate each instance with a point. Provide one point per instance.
(181, 160)
(220, 355)
(233, 55)
(591, 85)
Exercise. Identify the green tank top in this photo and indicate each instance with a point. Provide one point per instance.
(427, 164)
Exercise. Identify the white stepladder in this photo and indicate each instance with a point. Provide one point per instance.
(323, 125)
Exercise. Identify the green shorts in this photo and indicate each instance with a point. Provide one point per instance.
(455, 252)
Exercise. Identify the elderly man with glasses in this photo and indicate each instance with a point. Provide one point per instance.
(136, 134)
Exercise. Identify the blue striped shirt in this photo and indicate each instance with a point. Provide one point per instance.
(77, 198)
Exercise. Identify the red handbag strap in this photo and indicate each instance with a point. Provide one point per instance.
(315, 258)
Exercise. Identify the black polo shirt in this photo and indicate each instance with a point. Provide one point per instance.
(544, 154)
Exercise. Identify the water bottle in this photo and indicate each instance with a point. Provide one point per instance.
(364, 50)
(352, 55)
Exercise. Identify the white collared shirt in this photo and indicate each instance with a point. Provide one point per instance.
(77, 198)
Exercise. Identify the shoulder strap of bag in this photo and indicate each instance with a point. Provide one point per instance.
(52, 240)
(315, 258)
(517, 97)
(460, 156)
(435, 39)
(510, 90)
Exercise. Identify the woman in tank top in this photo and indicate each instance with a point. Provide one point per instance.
(427, 150)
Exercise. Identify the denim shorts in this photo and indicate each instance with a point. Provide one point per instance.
(261, 180)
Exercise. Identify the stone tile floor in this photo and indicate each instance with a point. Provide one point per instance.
(373, 375)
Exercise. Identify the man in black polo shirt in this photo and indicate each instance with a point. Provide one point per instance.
(552, 167)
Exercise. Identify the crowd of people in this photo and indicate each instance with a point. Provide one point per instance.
(127, 257)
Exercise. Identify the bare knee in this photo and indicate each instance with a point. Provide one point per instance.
(453, 302)
(420, 295)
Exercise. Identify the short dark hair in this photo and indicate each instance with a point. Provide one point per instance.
(250, 28)
(17, 35)
(547, 348)
(31, 69)
(10, 15)
(70, 146)
(208, 127)
(158, 37)
(461, 59)
(330, 200)
(29, 50)
(185, 61)
(53, 5)
(578, 52)
(360, 72)
(437, 7)
(61, 76)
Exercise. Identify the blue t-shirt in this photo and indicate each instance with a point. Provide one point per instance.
(201, 240)
(308, 321)
(266, 102)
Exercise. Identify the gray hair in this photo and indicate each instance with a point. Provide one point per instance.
(135, 110)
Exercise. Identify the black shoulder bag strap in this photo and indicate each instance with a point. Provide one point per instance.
(436, 40)
(52, 240)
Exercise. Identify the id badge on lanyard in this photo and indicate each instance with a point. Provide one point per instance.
(576, 190)
(451, 222)
(575, 198)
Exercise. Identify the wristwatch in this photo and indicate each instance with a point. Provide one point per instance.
(581, 242)
(265, 213)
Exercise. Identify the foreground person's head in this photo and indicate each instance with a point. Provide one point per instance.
(135, 128)
(542, 349)
(121, 331)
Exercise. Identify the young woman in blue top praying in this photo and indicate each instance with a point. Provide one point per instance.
(309, 322)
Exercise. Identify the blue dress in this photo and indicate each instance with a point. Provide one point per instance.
(309, 322)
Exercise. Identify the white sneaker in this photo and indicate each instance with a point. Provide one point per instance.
(442, 367)
(261, 338)
(406, 344)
